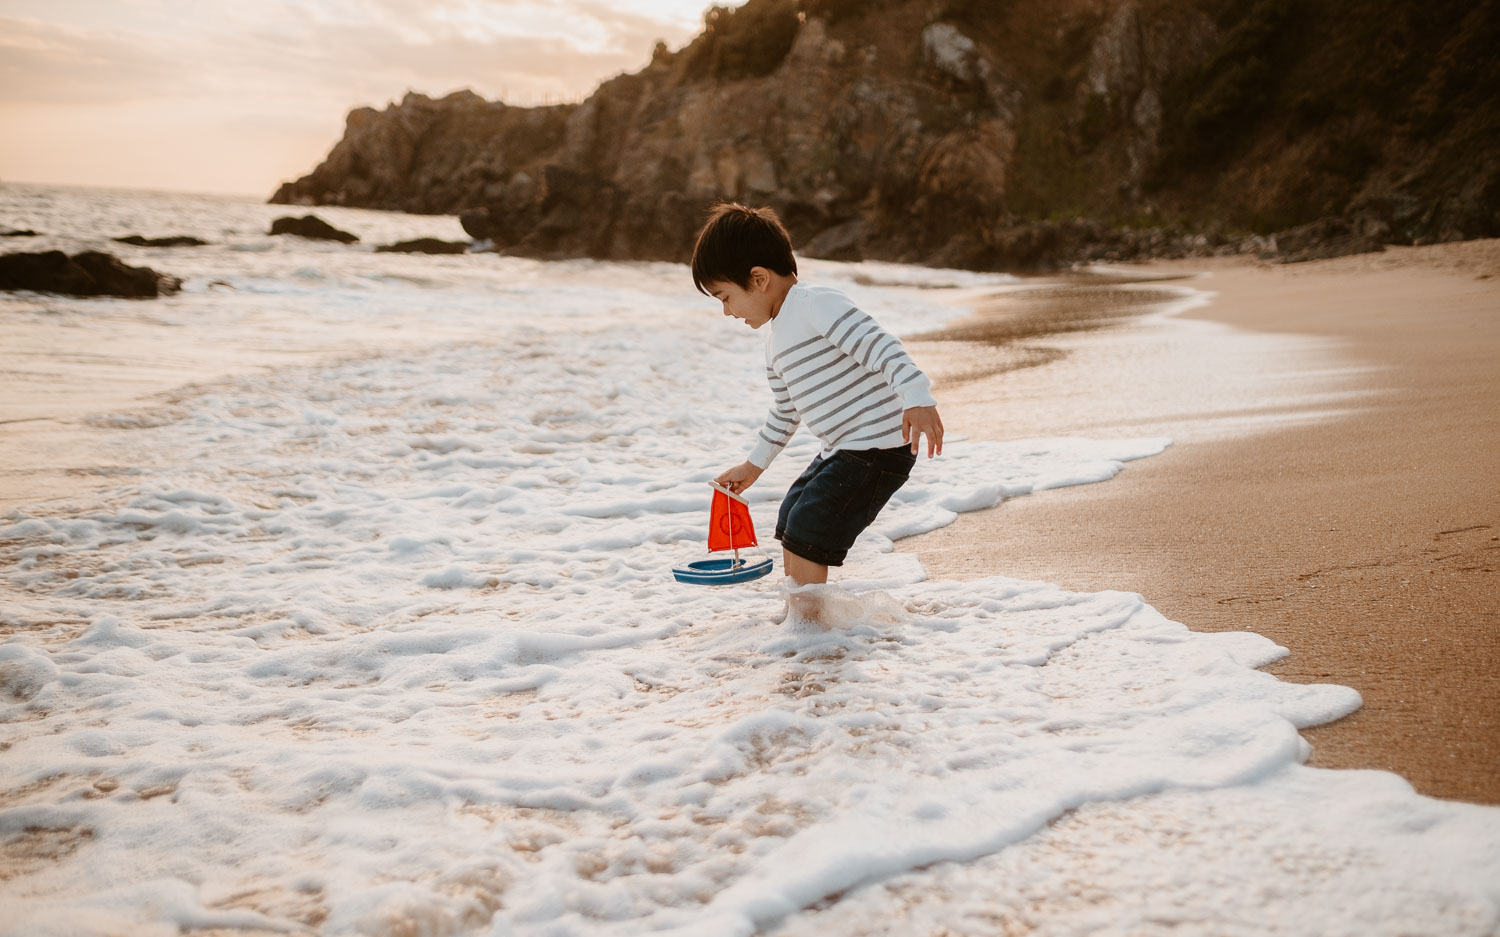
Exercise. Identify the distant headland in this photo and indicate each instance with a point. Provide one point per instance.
(982, 135)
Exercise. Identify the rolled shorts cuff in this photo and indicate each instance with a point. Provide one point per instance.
(813, 552)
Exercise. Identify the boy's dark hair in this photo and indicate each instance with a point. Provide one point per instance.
(736, 238)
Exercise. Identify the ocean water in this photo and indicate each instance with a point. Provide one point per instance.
(376, 635)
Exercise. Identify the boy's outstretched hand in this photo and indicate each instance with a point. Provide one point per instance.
(740, 477)
(922, 421)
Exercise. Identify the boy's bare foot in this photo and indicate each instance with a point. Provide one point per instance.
(805, 606)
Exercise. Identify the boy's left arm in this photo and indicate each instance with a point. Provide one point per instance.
(917, 422)
(880, 352)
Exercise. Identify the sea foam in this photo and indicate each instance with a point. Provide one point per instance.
(390, 646)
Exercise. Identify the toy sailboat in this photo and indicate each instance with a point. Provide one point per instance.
(729, 528)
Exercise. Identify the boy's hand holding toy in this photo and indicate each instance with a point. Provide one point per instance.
(740, 477)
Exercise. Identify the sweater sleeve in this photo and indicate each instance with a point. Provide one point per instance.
(876, 350)
(781, 423)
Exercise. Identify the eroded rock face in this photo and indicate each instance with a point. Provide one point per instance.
(427, 155)
(966, 133)
(311, 226)
(845, 135)
(91, 273)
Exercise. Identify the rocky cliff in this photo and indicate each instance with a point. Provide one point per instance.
(1000, 134)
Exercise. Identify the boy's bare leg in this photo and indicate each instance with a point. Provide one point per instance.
(804, 572)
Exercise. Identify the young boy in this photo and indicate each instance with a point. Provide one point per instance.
(831, 366)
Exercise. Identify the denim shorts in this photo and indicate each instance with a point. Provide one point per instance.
(836, 498)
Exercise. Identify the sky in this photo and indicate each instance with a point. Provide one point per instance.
(240, 95)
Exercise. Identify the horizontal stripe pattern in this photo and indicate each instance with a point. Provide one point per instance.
(832, 367)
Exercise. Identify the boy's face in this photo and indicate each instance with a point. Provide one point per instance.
(755, 306)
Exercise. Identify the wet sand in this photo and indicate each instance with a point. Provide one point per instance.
(1365, 543)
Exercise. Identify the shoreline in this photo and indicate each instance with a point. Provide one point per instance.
(1197, 530)
(1274, 533)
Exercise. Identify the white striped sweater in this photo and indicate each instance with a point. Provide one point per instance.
(834, 368)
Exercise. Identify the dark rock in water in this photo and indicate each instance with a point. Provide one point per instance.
(176, 240)
(91, 273)
(49, 271)
(476, 223)
(424, 246)
(311, 226)
(19, 233)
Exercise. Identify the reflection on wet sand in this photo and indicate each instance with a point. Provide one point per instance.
(1000, 335)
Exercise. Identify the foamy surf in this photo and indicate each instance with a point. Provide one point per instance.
(391, 647)
(818, 607)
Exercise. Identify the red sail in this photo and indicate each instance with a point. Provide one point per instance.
(729, 526)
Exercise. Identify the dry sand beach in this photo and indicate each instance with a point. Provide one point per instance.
(1365, 543)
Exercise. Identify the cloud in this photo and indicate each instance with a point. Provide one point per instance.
(371, 62)
(524, 49)
(74, 74)
(44, 62)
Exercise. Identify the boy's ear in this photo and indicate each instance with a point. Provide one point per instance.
(760, 278)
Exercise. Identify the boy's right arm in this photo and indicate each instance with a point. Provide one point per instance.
(740, 477)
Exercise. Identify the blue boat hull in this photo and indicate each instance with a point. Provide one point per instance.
(722, 572)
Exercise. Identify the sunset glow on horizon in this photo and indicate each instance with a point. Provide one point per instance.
(237, 98)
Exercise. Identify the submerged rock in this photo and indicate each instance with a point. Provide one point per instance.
(176, 240)
(19, 233)
(91, 273)
(424, 246)
(311, 226)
